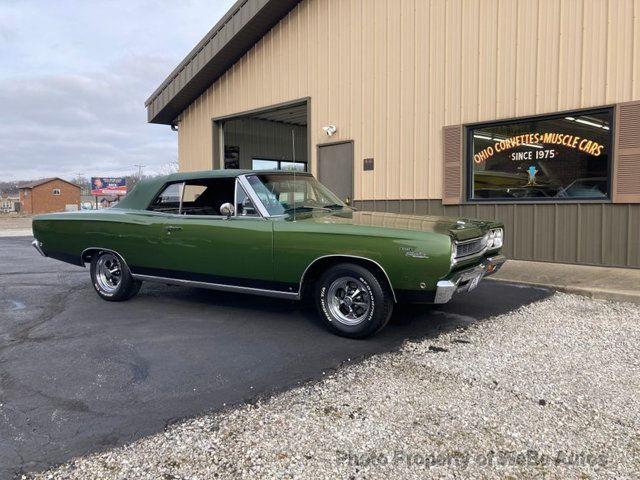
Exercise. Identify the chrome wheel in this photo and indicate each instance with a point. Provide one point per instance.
(108, 272)
(349, 300)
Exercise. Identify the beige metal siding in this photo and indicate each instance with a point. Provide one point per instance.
(391, 73)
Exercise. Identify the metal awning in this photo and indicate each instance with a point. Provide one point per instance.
(235, 34)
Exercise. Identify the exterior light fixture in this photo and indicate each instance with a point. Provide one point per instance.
(330, 130)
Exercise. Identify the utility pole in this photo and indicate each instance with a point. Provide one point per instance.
(79, 180)
(140, 167)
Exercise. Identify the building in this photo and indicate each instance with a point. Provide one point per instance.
(9, 203)
(527, 111)
(49, 195)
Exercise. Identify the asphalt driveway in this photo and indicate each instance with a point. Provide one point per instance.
(78, 374)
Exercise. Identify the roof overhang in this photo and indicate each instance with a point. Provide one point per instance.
(234, 35)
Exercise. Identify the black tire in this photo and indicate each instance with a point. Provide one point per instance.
(117, 285)
(370, 304)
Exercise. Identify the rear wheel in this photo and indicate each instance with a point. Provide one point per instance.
(353, 301)
(111, 277)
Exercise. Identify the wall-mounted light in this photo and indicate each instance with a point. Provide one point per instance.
(330, 130)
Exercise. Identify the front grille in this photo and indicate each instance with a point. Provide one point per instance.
(470, 247)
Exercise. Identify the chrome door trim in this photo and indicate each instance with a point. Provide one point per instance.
(349, 256)
(219, 286)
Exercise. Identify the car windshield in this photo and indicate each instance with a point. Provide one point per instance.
(278, 191)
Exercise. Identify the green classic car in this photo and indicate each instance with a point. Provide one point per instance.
(280, 234)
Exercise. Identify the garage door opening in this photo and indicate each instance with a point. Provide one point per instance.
(270, 139)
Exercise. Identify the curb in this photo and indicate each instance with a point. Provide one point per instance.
(598, 293)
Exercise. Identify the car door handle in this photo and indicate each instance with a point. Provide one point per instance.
(172, 228)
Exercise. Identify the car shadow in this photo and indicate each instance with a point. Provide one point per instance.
(408, 321)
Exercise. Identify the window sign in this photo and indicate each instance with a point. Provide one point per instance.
(560, 157)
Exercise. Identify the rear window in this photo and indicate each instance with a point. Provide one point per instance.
(169, 199)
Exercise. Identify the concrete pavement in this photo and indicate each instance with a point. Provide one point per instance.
(621, 284)
(15, 226)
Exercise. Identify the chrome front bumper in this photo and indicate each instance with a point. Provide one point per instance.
(465, 280)
(38, 246)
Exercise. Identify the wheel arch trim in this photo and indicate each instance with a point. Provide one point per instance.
(348, 256)
(98, 249)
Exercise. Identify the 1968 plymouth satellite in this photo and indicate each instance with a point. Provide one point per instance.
(279, 234)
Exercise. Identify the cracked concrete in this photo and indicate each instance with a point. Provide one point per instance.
(78, 374)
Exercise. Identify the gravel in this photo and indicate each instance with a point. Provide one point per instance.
(550, 390)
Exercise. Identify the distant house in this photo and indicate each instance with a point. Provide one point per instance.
(9, 203)
(49, 195)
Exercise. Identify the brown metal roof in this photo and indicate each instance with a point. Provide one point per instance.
(236, 32)
(42, 181)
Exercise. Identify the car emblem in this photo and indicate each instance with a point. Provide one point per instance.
(411, 252)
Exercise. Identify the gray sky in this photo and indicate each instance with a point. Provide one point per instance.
(74, 76)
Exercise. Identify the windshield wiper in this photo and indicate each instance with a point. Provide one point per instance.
(335, 205)
(307, 207)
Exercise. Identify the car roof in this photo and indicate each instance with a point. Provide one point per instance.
(146, 190)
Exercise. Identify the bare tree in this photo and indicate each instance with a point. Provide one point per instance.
(168, 168)
(84, 183)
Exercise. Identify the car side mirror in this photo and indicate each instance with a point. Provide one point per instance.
(226, 209)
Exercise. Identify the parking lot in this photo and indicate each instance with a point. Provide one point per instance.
(78, 374)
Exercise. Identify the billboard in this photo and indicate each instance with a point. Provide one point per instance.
(108, 186)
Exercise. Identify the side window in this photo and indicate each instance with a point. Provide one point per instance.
(207, 195)
(169, 200)
(244, 205)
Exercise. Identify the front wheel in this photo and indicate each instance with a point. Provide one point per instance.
(111, 277)
(353, 301)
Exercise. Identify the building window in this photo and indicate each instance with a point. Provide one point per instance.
(556, 157)
(264, 164)
(56, 191)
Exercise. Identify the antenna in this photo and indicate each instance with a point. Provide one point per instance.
(293, 146)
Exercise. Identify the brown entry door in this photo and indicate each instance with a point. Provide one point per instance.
(335, 169)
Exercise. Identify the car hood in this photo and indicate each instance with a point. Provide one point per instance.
(458, 228)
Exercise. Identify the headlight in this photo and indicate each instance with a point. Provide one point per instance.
(495, 238)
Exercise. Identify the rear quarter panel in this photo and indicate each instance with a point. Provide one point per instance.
(133, 234)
